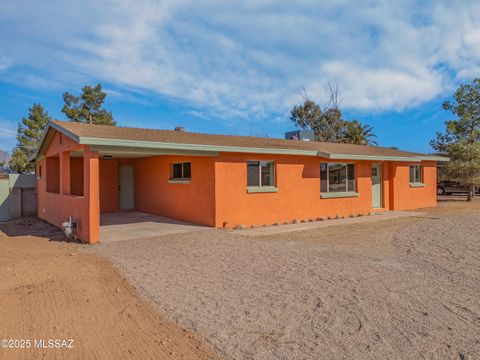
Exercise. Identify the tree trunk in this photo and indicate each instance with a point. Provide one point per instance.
(471, 192)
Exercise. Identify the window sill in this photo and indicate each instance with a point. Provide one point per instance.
(417, 185)
(179, 181)
(334, 195)
(262, 189)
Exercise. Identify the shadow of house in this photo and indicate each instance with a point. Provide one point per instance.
(31, 226)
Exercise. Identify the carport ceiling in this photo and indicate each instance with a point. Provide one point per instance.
(119, 152)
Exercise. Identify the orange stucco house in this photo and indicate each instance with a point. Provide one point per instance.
(220, 181)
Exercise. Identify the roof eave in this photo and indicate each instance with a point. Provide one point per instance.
(223, 148)
(441, 159)
(373, 157)
(191, 147)
(51, 125)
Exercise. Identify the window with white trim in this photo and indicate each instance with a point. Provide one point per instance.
(416, 174)
(260, 173)
(181, 171)
(337, 177)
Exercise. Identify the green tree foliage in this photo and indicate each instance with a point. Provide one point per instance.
(29, 133)
(328, 123)
(360, 134)
(461, 139)
(87, 108)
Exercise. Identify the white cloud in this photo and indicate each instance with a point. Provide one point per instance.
(250, 59)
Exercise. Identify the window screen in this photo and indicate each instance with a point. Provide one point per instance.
(181, 171)
(416, 174)
(337, 177)
(260, 173)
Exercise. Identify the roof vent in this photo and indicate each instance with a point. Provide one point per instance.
(179, 128)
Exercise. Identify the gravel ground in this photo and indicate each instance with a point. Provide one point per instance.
(403, 289)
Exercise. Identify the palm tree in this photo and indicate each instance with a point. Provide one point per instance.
(360, 134)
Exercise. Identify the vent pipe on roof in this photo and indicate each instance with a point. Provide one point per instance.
(179, 128)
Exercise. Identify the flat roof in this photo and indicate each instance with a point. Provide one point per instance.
(115, 137)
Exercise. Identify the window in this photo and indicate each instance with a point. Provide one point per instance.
(337, 177)
(181, 171)
(260, 173)
(416, 174)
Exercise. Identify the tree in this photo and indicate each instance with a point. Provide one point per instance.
(29, 133)
(327, 123)
(87, 108)
(461, 139)
(360, 134)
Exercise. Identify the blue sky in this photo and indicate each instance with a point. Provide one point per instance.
(238, 67)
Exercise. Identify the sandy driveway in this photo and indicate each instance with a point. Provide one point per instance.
(56, 291)
(406, 288)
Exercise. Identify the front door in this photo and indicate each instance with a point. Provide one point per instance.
(376, 186)
(125, 182)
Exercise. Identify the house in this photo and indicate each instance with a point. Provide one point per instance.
(220, 181)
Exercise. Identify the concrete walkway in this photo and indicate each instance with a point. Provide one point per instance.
(132, 225)
(280, 229)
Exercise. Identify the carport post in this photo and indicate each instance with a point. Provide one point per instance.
(91, 211)
(65, 173)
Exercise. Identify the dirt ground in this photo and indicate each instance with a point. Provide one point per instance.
(52, 290)
(405, 289)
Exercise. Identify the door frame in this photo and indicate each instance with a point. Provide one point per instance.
(380, 175)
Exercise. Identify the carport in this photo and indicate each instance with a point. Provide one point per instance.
(122, 192)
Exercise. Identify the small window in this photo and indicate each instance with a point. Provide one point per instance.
(416, 175)
(337, 177)
(260, 173)
(181, 171)
(39, 172)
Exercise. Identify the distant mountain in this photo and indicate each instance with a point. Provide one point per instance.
(4, 157)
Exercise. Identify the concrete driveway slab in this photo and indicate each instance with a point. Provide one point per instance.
(132, 225)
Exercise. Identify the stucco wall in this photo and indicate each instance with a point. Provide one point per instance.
(409, 198)
(108, 186)
(55, 208)
(298, 196)
(76, 176)
(193, 202)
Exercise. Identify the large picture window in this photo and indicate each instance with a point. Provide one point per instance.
(416, 176)
(337, 177)
(260, 173)
(181, 171)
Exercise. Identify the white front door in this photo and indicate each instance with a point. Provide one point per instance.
(376, 186)
(125, 182)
